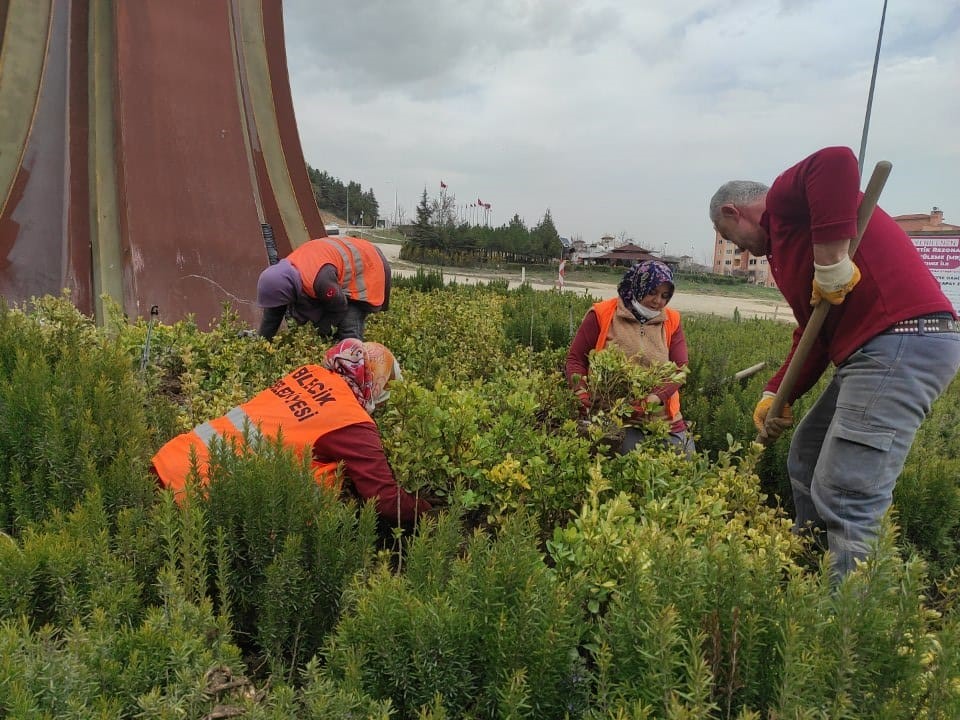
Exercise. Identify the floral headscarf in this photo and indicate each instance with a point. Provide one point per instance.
(641, 280)
(366, 366)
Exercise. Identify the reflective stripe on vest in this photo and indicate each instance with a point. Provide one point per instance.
(605, 311)
(353, 269)
(237, 417)
(361, 272)
(305, 405)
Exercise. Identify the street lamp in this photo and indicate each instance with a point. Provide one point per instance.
(395, 204)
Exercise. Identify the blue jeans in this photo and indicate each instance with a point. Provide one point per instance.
(849, 449)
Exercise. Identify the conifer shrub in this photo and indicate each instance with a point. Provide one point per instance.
(97, 667)
(870, 648)
(323, 698)
(76, 563)
(290, 548)
(927, 503)
(542, 320)
(71, 416)
(425, 280)
(484, 628)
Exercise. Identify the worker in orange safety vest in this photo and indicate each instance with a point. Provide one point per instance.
(638, 322)
(323, 411)
(331, 282)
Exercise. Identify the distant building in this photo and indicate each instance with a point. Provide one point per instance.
(625, 255)
(588, 255)
(939, 245)
(926, 223)
(728, 259)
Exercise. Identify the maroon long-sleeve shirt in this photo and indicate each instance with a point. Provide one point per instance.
(816, 201)
(366, 468)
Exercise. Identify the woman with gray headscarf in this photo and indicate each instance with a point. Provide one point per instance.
(639, 323)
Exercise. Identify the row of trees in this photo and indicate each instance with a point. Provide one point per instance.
(347, 201)
(436, 234)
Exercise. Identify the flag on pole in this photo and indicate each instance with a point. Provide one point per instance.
(443, 185)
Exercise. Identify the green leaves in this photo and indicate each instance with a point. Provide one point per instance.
(557, 581)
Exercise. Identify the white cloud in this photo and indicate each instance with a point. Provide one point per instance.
(620, 116)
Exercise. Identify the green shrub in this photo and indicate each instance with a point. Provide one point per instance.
(290, 546)
(542, 320)
(489, 628)
(673, 587)
(71, 417)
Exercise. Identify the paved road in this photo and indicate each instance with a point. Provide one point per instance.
(684, 302)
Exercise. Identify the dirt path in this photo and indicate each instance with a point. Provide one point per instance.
(721, 305)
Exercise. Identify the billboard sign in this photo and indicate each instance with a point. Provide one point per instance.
(941, 253)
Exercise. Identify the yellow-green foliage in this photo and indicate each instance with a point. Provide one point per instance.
(453, 334)
(561, 581)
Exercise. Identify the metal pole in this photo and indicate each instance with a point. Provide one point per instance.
(145, 355)
(873, 84)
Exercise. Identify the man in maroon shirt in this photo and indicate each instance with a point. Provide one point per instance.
(891, 333)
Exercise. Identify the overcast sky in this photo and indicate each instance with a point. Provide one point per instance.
(622, 116)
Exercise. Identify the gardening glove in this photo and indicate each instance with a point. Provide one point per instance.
(771, 428)
(833, 282)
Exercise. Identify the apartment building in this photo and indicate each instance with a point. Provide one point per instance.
(729, 260)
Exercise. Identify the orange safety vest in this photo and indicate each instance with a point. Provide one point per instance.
(360, 269)
(307, 403)
(605, 311)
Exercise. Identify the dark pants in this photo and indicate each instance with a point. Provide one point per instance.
(680, 441)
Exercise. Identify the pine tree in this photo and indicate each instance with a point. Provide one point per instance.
(424, 233)
(546, 238)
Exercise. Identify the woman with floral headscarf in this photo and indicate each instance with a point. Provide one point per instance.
(639, 323)
(321, 410)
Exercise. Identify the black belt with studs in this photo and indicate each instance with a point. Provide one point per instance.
(924, 326)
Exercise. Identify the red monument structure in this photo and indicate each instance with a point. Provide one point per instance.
(148, 153)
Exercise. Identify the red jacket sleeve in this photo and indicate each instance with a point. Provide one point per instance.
(578, 356)
(366, 468)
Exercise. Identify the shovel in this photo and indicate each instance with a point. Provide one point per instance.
(870, 197)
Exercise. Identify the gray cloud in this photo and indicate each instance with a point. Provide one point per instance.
(623, 115)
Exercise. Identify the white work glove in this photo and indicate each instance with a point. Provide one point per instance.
(833, 282)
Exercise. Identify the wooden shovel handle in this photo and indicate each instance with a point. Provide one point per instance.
(870, 197)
